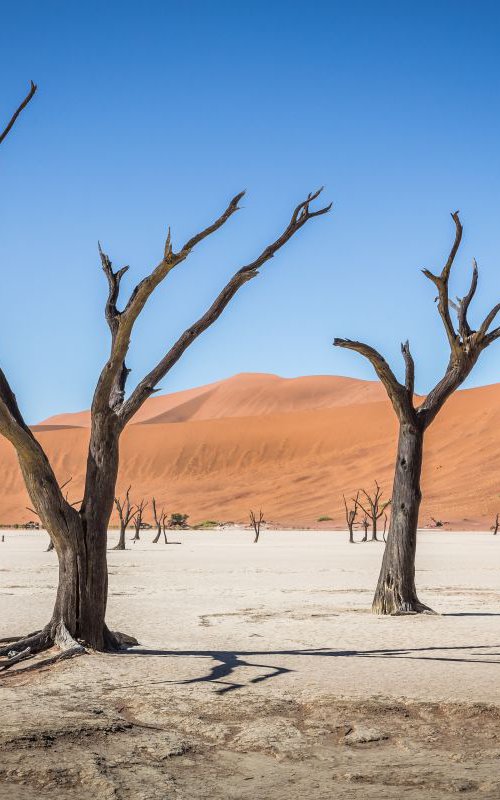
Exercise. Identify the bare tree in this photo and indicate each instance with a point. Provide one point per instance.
(126, 512)
(79, 534)
(365, 528)
(138, 514)
(160, 521)
(256, 522)
(375, 508)
(396, 592)
(350, 516)
(164, 525)
(495, 527)
(438, 523)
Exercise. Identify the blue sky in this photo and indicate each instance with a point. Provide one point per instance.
(155, 114)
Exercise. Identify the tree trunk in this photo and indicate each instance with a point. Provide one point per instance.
(374, 528)
(121, 540)
(83, 587)
(351, 534)
(396, 592)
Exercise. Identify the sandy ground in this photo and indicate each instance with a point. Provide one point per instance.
(261, 674)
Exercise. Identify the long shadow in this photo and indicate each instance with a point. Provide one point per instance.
(472, 614)
(227, 662)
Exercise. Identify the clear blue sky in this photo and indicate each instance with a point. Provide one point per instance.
(155, 114)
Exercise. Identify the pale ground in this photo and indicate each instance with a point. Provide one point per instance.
(260, 672)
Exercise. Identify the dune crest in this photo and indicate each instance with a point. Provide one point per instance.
(291, 446)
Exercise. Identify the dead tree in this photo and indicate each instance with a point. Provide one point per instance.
(385, 528)
(375, 508)
(137, 519)
(126, 512)
(496, 525)
(396, 592)
(438, 523)
(350, 516)
(256, 523)
(160, 522)
(365, 528)
(79, 534)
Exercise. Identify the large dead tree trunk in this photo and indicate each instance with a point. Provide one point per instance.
(80, 534)
(396, 585)
(396, 593)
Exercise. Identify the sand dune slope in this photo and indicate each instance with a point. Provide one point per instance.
(291, 447)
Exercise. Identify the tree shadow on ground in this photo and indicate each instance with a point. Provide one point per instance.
(226, 663)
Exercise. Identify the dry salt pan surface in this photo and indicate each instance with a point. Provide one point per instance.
(261, 673)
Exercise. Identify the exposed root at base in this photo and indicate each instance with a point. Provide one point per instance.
(22, 649)
(402, 609)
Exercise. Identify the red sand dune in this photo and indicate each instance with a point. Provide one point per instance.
(288, 446)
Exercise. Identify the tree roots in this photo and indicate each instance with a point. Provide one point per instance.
(53, 635)
(390, 607)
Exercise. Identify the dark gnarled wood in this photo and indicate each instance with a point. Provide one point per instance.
(396, 591)
(79, 535)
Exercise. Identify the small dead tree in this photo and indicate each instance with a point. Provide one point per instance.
(160, 522)
(375, 508)
(496, 525)
(256, 522)
(396, 591)
(126, 512)
(438, 523)
(138, 514)
(365, 528)
(79, 535)
(350, 516)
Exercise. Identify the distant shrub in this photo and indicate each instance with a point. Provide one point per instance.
(325, 519)
(208, 523)
(178, 520)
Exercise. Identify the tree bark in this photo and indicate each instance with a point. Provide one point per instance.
(121, 540)
(396, 592)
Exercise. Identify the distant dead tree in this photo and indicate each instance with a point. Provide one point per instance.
(126, 512)
(494, 527)
(385, 528)
(375, 508)
(396, 591)
(365, 528)
(160, 522)
(139, 511)
(438, 523)
(256, 522)
(350, 516)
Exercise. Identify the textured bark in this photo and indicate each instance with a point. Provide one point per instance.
(396, 592)
(80, 535)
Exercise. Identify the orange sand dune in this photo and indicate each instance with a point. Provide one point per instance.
(246, 395)
(290, 447)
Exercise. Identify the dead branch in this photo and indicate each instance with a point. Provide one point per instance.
(256, 522)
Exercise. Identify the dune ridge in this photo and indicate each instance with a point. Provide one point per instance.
(289, 446)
